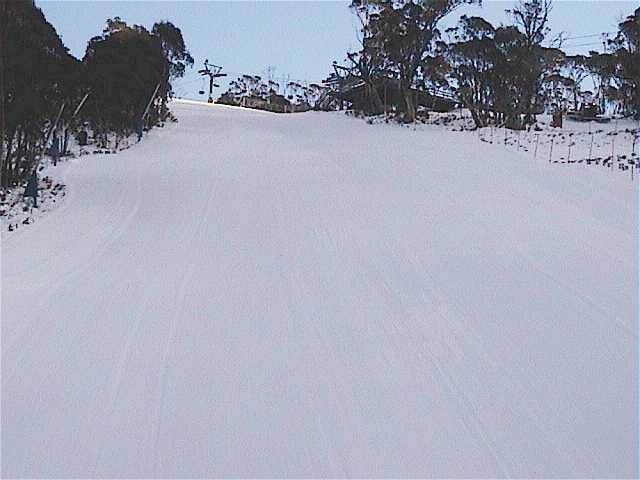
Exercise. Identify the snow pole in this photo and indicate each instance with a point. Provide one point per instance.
(77, 110)
(73, 115)
(140, 123)
(55, 124)
(591, 147)
(551, 148)
(153, 96)
(48, 136)
(535, 151)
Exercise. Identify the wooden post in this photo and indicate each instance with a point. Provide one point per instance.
(385, 98)
(535, 151)
(415, 107)
(591, 148)
(551, 148)
(613, 147)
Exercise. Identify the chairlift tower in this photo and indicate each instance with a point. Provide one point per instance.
(213, 72)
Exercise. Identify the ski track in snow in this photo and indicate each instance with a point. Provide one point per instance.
(247, 294)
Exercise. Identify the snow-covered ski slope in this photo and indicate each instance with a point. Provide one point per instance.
(247, 294)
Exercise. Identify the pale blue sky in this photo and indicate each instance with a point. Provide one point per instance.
(300, 39)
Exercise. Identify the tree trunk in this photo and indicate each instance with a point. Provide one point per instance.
(3, 9)
(410, 112)
(5, 161)
(513, 122)
(375, 103)
(477, 118)
(469, 102)
(65, 143)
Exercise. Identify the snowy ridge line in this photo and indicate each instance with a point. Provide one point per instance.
(185, 101)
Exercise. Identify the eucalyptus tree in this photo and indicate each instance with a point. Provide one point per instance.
(576, 69)
(406, 31)
(531, 17)
(626, 47)
(38, 76)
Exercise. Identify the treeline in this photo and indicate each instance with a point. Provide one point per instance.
(40, 80)
(503, 75)
(255, 92)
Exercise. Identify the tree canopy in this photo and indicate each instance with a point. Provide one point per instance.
(502, 74)
(121, 69)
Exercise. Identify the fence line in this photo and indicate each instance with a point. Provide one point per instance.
(576, 147)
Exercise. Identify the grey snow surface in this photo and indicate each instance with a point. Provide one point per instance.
(247, 294)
